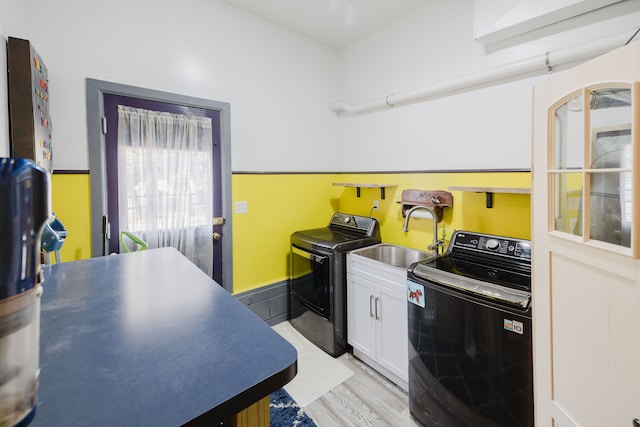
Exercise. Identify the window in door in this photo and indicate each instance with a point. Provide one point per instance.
(165, 180)
(592, 166)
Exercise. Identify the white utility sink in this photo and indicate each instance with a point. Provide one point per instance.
(397, 256)
(377, 307)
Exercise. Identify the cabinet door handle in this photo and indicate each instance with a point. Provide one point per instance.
(370, 305)
(377, 317)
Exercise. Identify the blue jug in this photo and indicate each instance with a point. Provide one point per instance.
(25, 206)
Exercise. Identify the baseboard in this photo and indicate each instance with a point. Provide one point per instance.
(400, 382)
(269, 302)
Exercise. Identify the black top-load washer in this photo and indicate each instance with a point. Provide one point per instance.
(470, 338)
(318, 282)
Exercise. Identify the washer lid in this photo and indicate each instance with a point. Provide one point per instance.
(481, 288)
(345, 232)
(330, 239)
(508, 274)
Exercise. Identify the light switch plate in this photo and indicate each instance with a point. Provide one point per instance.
(241, 207)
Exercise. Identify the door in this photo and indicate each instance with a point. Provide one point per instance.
(311, 280)
(102, 96)
(361, 319)
(116, 210)
(585, 217)
(392, 318)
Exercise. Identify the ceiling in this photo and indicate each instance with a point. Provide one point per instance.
(334, 22)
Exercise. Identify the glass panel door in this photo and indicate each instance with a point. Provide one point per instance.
(591, 170)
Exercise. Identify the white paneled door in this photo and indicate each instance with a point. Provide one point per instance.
(586, 217)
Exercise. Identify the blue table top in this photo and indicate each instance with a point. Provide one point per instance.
(146, 338)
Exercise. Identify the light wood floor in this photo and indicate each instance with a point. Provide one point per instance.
(365, 399)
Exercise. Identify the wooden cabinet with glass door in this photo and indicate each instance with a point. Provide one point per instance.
(586, 280)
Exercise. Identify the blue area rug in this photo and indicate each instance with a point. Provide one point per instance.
(284, 411)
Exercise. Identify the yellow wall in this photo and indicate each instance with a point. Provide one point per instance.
(510, 215)
(70, 200)
(279, 204)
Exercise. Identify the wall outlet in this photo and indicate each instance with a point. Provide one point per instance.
(241, 207)
(376, 205)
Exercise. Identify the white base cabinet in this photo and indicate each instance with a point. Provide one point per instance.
(377, 325)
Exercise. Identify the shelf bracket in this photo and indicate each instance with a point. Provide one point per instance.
(381, 192)
(489, 191)
(489, 199)
(359, 186)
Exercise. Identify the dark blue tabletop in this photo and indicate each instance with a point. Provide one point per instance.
(147, 339)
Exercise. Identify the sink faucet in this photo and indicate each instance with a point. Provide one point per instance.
(436, 244)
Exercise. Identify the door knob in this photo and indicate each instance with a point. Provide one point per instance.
(216, 236)
(636, 422)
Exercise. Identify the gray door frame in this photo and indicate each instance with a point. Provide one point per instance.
(97, 158)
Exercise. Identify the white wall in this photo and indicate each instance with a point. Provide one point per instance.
(486, 128)
(11, 24)
(279, 84)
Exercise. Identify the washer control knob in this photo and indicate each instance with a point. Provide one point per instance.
(347, 219)
(492, 244)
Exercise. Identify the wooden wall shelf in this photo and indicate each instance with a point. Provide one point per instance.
(490, 191)
(359, 186)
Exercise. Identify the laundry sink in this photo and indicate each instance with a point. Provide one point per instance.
(397, 256)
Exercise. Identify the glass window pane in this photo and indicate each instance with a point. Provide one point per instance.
(611, 207)
(144, 195)
(610, 119)
(569, 135)
(568, 202)
(611, 148)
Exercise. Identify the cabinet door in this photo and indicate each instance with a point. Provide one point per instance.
(361, 322)
(393, 335)
(585, 216)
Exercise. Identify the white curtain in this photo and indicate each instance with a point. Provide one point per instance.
(165, 181)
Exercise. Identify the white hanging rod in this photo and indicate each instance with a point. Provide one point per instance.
(543, 63)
